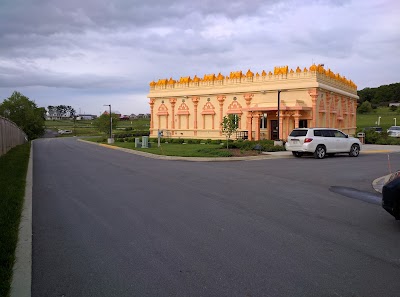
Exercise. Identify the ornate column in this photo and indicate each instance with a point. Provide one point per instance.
(221, 99)
(249, 125)
(296, 118)
(280, 126)
(195, 101)
(159, 122)
(247, 98)
(256, 116)
(314, 96)
(173, 102)
(328, 109)
(152, 101)
(287, 117)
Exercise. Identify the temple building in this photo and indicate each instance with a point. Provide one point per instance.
(195, 107)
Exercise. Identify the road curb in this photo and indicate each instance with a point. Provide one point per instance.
(378, 183)
(22, 271)
(194, 159)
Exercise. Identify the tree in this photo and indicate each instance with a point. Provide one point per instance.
(365, 107)
(25, 114)
(230, 124)
(102, 123)
(52, 111)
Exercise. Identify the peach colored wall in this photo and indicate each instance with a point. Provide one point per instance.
(194, 109)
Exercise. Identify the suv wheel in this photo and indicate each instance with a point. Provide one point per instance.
(354, 150)
(297, 154)
(320, 152)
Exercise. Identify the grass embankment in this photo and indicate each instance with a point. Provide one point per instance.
(197, 147)
(13, 168)
(371, 119)
(87, 128)
(183, 150)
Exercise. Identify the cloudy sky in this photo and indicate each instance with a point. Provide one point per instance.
(86, 53)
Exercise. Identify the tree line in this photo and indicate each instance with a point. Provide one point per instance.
(25, 113)
(61, 111)
(380, 96)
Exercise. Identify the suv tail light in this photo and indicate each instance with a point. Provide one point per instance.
(307, 140)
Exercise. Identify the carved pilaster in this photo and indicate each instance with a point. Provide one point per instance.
(152, 101)
(328, 109)
(256, 116)
(296, 118)
(221, 99)
(249, 125)
(314, 96)
(173, 102)
(195, 101)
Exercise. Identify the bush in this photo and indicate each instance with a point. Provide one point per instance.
(215, 153)
(365, 107)
(372, 137)
(102, 139)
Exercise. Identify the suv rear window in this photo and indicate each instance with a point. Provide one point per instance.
(297, 133)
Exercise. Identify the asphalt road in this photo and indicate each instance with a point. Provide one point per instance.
(109, 223)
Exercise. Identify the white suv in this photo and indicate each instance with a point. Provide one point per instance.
(321, 141)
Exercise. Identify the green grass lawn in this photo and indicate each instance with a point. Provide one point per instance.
(86, 127)
(13, 168)
(371, 119)
(183, 150)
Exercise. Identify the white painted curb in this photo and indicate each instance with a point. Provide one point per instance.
(22, 270)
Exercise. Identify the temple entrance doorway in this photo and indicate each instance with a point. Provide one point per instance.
(274, 130)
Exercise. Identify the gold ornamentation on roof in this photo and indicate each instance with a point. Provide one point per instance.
(281, 70)
(209, 77)
(313, 67)
(162, 82)
(249, 73)
(235, 74)
(319, 69)
(185, 80)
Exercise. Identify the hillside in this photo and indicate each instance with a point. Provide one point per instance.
(380, 96)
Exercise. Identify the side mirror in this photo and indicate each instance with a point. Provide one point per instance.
(347, 136)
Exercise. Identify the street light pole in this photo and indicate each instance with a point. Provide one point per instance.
(110, 139)
(279, 112)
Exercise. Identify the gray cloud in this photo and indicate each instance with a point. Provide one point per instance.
(118, 47)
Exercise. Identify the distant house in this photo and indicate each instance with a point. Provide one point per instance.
(117, 113)
(124, 118)
(89, 117)
(394, 104)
